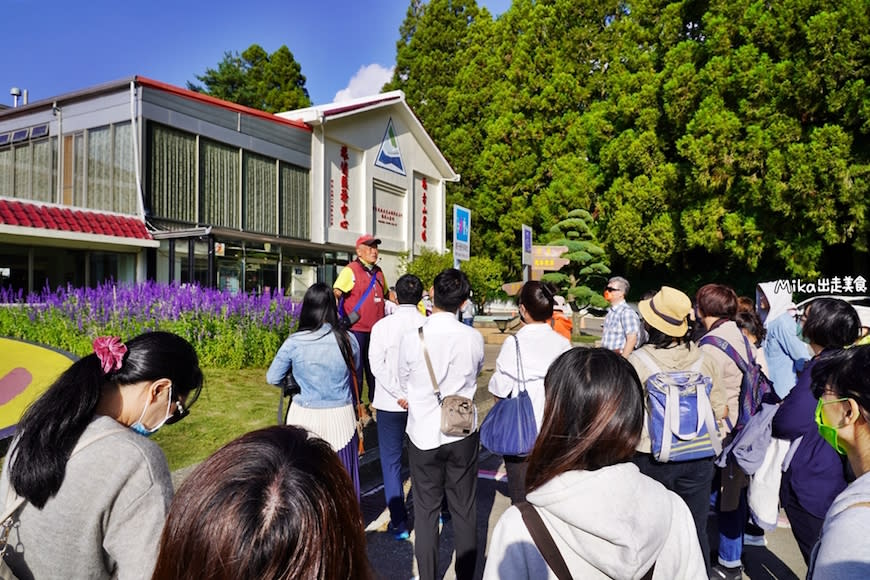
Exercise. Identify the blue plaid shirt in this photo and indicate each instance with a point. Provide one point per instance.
(620, 321)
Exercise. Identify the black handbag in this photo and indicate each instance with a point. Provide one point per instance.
(288, 387)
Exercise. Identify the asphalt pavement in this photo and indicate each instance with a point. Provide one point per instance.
(392, 559)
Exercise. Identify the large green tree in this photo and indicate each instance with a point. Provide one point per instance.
(269, 82)
(709, 139)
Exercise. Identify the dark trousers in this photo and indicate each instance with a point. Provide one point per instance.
(366, 369)
(391, 434)
(516, 475)
(805, 527)
(450, 469)
(691, 481)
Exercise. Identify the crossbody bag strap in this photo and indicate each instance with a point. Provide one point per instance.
(373, 277)
(14, 502)
(728, 349)
(521, 373)
(544, 540)
(429, 365)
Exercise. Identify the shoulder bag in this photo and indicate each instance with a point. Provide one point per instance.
(458, 413)
(509, 428)
(15, 502)
(288, 387)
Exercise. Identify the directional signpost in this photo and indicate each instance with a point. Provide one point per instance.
(546, 259)
(542, 259)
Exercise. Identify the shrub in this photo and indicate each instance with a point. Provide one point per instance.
(230, 331)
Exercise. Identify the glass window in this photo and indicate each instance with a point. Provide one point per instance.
(23, 169)
(99, 180)
(54, 267)
(219, 184)
(124, 170)
(7, 176)
(13, 267)
(261, 206)
(43, 189)
(173, 174)
(294, 198)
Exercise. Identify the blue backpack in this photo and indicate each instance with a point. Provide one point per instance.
(682, 426)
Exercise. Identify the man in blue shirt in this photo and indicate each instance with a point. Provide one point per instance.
(621, 325)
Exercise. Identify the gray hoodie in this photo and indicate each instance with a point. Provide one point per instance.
(843, 549)
(609, 523)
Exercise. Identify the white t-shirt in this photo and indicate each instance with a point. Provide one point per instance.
(540, 345)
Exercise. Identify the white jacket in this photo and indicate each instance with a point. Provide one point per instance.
(609, 523)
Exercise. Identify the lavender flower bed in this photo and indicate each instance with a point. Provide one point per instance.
(228, 330)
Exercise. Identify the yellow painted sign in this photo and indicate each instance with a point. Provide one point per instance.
(26, 371)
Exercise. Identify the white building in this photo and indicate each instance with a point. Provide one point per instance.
(137, 179)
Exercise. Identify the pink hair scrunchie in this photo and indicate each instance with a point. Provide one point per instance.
(110, 350)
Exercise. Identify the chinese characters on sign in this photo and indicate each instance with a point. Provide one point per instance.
(344, 196)
(425, 188)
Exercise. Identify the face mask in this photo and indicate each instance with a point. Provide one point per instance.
(799, 330)
(141, 429)
(827, 432)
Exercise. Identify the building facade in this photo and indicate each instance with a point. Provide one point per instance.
(138, 180)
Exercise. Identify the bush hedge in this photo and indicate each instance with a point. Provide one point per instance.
(230, 331)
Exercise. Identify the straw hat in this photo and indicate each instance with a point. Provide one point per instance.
(667, 311)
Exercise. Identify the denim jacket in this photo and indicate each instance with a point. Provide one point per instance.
(318, 367)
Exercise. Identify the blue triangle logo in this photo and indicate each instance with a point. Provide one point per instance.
(389, 157)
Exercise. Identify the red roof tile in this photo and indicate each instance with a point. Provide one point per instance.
(16, 213)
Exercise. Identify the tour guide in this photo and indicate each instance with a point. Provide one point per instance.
(360, 288)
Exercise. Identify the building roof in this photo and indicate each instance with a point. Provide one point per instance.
(322, 114)
(41, 220)
(150, 83)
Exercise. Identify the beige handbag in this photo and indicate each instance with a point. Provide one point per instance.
(458, 413)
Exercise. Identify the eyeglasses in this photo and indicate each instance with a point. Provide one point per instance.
(612, 289)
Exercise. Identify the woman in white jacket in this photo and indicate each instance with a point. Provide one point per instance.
(607, 520)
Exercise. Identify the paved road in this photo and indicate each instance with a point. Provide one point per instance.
(391, 559)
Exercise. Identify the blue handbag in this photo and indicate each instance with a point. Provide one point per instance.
(509, 428)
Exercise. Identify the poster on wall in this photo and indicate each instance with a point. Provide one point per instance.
(389, 156)
(389, 217)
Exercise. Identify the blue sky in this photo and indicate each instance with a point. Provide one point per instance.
(346, 47)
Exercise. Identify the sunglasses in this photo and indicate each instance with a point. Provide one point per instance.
(181, 411)
(612, 289)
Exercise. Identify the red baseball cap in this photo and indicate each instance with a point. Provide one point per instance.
(368, 240)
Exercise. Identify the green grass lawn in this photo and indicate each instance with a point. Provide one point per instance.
(232, 403)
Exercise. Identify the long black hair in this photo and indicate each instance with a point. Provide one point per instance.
(593, 415)
(52, 425)
(318, 308)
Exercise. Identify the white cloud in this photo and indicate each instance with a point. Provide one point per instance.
(368, 80)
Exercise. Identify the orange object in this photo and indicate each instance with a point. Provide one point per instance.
(561, 324)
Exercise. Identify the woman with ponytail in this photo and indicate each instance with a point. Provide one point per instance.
(94, 490)
(526, 359)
